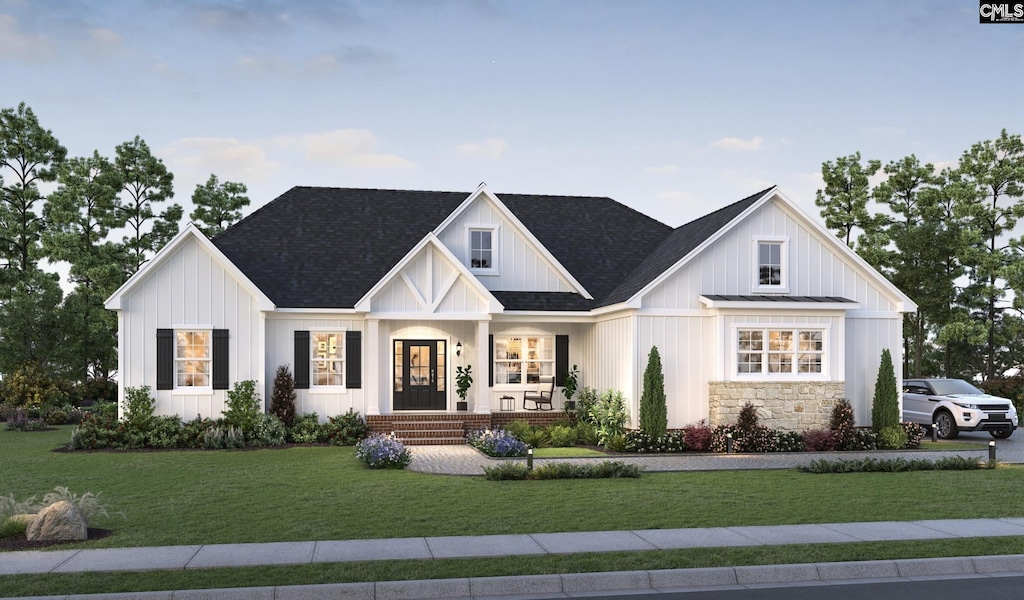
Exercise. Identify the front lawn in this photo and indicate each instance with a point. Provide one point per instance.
(322, 493)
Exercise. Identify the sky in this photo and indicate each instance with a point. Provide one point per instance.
(674, 108)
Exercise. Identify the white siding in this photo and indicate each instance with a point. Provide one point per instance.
(189, 288)
(608, 358)
(429, 283)
(281, 328)
(865, 340)
(521, 266)
(689, 355)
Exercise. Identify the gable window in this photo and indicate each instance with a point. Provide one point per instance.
(192, 359)
(523, 359)
(483, 251)
(327, 358)
(780, 352)
(770, 258)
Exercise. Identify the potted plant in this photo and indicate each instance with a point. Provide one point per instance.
(463, 380)
(571, 383)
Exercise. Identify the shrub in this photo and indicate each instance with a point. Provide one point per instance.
(653, 410)
(616, 442)
(915, 433)
(307, 430)
(268, 430)
(586, 433)
(790, 441)
(496, 442)
(897, 465)
(54, 415)
(506, 471)
(139, 407)
(10, 507)
(7, 410)
(640, 441)
(841, 424)
(885, 408)
(892, 438)
(821, 440)
(30, 386)
(346, 429)
(609, 416)
(1010, 387)
(10, 528)
(88, 504)
(697, 436)
(536, 438)
(242, 405)
(193, 433)
(747, 420)
(282, 399)
(164, 432)
(380, 451)
(94, 390)
(864, 438)
(518, 428)
(585, 402)
(21, 422)
(570, 470)
(758, 439)
(98, 431)
(562, 436)
(220, 437)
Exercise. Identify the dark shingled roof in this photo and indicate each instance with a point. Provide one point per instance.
(326, 247)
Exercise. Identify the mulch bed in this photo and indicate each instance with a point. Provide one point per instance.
(12, 544)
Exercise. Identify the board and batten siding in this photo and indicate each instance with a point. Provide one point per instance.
(607, 357)
(727, 267)
(431, 274)
(866, 337)
(690, 353)
(189, 288)
(521, 267)
(281, 328)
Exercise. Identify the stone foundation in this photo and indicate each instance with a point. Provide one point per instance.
(785, 405)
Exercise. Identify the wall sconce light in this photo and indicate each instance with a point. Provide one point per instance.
(458, 348)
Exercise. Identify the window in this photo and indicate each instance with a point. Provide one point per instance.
(481, 249)
(780, 351)
(770, 255)
(192, 359)
(327, 356)
(523, 359)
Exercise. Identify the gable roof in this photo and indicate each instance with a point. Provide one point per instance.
(327, 247)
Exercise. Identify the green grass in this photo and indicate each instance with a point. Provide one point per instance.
(953, 445)
(572, 452)
(324, 493)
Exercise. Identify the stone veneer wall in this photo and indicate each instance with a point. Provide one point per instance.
(786, 405)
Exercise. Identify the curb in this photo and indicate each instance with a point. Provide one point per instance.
(579, 584)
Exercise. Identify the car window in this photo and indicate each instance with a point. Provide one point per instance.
(947, 387)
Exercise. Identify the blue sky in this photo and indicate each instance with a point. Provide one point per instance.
(674, 108)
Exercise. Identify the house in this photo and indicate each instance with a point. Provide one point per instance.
(374, 297)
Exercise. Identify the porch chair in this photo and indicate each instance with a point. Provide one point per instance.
(542, 396)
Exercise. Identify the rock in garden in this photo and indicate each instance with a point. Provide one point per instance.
(60, 521)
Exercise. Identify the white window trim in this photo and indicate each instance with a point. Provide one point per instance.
(755, 281)
(733, 373)
(522, 385)
(193, 390)
(327, 389)
(495, 230)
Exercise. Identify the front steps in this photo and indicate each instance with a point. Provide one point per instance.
(431, 429)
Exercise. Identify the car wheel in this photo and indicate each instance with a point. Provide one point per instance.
(1002, 434)
(945, 426)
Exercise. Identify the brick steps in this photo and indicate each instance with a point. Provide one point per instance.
(425, 429)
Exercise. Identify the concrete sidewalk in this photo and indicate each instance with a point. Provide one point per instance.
(431, 548)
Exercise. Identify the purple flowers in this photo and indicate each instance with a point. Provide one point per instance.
(496, 442)
(383, 451)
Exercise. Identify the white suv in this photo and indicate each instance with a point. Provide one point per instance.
(953, 405)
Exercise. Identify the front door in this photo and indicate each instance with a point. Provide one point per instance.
(420, 375)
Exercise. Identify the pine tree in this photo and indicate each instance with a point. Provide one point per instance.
(653, 411)
(885, 408)
(282, 399)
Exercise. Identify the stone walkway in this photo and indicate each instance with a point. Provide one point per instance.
(464, 460)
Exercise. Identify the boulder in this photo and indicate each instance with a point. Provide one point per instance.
(60, 522)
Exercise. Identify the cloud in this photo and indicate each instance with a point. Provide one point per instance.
(102, 42)
(731, 143)
(229, 158)
(662, 169)
(492, 148)
(16, 45)
(345, 147)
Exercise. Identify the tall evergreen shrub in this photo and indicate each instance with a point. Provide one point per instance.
(653, 411)
(885, 407)
(282, 399)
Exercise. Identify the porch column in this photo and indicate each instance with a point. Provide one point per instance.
(372, 367)
(482, 393)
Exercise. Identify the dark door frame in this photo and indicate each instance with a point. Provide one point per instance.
(419, 384)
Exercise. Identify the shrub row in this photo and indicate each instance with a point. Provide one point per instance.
(895, 465)
(562, 470)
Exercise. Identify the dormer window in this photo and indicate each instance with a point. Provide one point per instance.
(771, 268)
(483, 252)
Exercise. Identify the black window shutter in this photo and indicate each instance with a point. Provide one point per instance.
(561, 358)
(353, 360)
(490, 361)
(165, 359)
(301, 365)
(220, 359)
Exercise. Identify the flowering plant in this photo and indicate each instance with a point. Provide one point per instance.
(496, 442)
(383, 451)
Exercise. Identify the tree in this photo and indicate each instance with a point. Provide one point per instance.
(282, 399)
(992, 172)
(885, 407)
(31, 326)
(653, 410)
(146, 181)
(844, 200)
(218, 205)
(31, 154)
